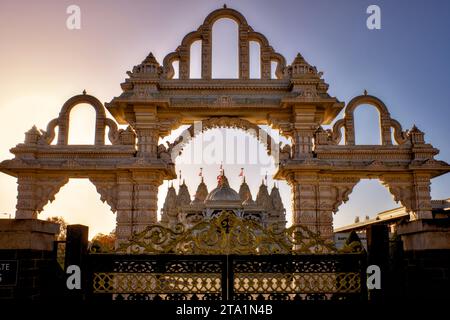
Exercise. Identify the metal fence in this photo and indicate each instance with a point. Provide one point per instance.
(226, 277)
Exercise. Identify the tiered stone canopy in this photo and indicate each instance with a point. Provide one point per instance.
(321, 171)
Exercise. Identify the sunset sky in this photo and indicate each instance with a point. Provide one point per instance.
(43, 63)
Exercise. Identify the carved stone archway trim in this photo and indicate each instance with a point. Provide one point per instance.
(272, 147)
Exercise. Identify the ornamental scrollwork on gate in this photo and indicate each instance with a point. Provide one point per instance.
(228, 234)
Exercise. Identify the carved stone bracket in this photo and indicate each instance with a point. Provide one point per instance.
(107, 188)
(34, 192)
(412, 191)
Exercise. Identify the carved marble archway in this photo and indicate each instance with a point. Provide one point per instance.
(127, 173)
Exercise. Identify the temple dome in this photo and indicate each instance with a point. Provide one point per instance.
(223, 193)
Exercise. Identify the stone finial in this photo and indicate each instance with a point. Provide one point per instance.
(300, 67)
(127, 136)
(84, 92)
(416, 135)
(322, 137)
(150, 59)
(224, 6)
(32, 136)
(365, 92)
(148, 67)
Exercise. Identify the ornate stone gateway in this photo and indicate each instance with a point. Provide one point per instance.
(320, 169)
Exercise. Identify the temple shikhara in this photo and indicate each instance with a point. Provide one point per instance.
(225, 243)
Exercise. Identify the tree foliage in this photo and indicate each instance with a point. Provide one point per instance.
(103, 242)
(61, 236)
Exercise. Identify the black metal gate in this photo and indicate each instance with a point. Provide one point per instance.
(226, 277)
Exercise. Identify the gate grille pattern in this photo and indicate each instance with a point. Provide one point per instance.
(298, 277)
(234, 277)
(156, 277)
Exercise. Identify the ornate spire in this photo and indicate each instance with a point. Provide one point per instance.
(301, 67)
(32, 136)
(244, 191)
(416, 135)
(149, 67)
(201, 193)
(275, 197)
(169, 212)
(263, 198)
(150, 59)
(184, 198)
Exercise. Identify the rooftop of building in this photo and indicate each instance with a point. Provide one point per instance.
(439, 207)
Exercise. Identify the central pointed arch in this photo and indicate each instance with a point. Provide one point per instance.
(273, 148)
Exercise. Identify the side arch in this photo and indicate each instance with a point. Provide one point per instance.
(386, 123)
(115, 135)
(64, 117)
(385, 118)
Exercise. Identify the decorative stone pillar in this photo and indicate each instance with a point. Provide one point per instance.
(303, 143)
(385, 127)
(147, 130)
(305, 125)
(145, 198)
(137, 201)
(244, 53)
(422, 205)
(26, 204)
(349, 130)
(206, 53)
(304, 199)
(315, 197)
(147, 142)
(124, 216)
(184, 62)
(266, 72)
